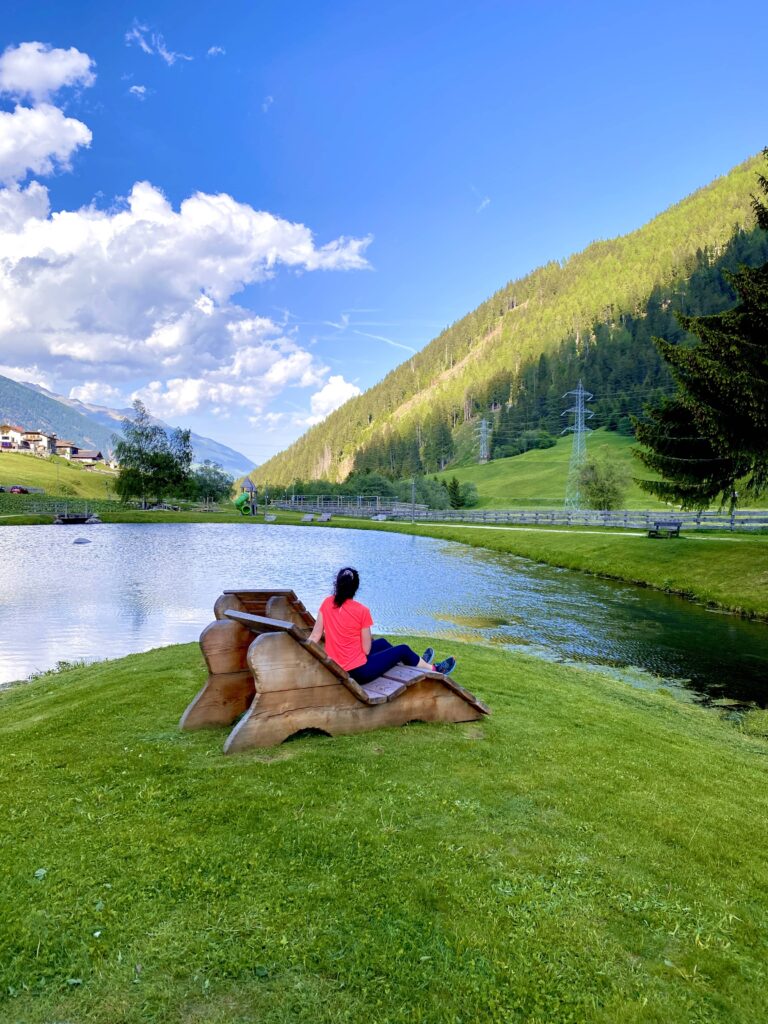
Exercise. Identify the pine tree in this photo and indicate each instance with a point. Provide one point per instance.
(713, 433)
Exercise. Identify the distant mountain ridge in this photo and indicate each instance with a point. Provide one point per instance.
(446, 386)
(94, 426)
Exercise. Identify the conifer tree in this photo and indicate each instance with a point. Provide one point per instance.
(714, 432)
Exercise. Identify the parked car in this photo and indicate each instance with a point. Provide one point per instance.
(18, 490)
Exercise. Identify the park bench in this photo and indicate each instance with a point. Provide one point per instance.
(324, 518)
(262, 667)
(269, 517)
(670, 528)
(308, 519)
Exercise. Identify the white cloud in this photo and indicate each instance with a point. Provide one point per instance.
(37, 71)
(38, 139)
(152, 43)
(334, 393)
(139, 91)
(145, 291)
(97, 392)
(27, 375)
(484, 202)
(215, 51)
(266, 103)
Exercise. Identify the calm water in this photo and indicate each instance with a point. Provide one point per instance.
(136, 587)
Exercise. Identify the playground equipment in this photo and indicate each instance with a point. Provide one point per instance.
(243, 503)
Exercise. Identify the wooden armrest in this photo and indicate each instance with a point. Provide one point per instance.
(263, 624)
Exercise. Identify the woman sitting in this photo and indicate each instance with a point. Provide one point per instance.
(347, 627)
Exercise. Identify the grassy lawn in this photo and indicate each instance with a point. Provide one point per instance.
(54, 475)
(590, 853)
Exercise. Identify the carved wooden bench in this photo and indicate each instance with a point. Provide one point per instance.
(265, 666)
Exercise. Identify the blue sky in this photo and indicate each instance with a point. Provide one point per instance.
(439, 149)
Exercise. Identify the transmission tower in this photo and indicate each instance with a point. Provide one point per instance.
(482, 433)
(579, 450)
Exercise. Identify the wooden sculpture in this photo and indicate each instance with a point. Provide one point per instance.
(262, 667)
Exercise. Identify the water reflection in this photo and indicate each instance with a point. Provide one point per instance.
(137, 587)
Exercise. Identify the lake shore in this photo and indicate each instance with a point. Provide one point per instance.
(589, 853)
(721, 570)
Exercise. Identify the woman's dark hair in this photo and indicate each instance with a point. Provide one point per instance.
(345, 587)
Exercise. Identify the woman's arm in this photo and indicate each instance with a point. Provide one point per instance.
(365, 636)
(317, 630)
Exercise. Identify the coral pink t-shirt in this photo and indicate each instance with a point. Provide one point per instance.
(343, 627)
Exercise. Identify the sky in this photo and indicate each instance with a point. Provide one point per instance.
(245, 213)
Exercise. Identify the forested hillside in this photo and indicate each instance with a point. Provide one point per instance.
(511, 359)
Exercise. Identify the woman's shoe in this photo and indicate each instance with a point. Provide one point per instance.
(428, 655)
(445, 667)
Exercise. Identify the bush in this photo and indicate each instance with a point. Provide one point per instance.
(603, 484)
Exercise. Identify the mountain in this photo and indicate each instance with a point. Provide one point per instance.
(94, 426)
(530, 331)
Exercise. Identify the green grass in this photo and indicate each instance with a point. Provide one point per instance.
(590, 854)
(537, 479)
(54, 475)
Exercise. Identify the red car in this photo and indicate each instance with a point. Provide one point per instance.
(18, 490)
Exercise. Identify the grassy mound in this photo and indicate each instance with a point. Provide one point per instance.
(591, 853)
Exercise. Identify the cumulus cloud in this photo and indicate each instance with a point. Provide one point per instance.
(334, 393)
(164, 304)
(139, 91)
(38, 139)
(266, 103)
(145, 290)
(215, 51)
(152, 43)
(98, 392)
(36, 70)
(27, 375)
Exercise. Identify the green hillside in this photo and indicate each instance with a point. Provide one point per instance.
(568, 302)
(537, 479)
(34, 410)
(55, 475)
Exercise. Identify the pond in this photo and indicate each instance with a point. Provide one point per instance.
(135, 587)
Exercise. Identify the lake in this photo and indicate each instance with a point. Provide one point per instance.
(135, 587)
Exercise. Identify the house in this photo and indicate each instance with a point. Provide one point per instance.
(66, 449)
(39, 441)
(11, 436)
(87, 457)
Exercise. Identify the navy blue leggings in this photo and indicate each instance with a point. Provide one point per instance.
(382, 657)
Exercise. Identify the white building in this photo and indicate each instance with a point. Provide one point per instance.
(39, 441)
(11, 436)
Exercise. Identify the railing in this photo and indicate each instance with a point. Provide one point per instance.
(631, 519)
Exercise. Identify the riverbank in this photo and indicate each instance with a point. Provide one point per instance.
(723, 570)
(591, 853)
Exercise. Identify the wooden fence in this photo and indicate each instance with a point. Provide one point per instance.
(630, 519)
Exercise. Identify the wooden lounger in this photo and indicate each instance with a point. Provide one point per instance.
(265, 666)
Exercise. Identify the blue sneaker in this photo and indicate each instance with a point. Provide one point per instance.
(445, 667)
(428, 655)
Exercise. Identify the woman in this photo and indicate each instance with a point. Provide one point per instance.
(347, 627)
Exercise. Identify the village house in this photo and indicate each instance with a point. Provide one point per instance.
(39, 441)
(11, 436)
(87, 457)
(66, 449)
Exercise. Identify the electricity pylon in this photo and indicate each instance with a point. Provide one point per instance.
(482, 432)
(579, 450)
